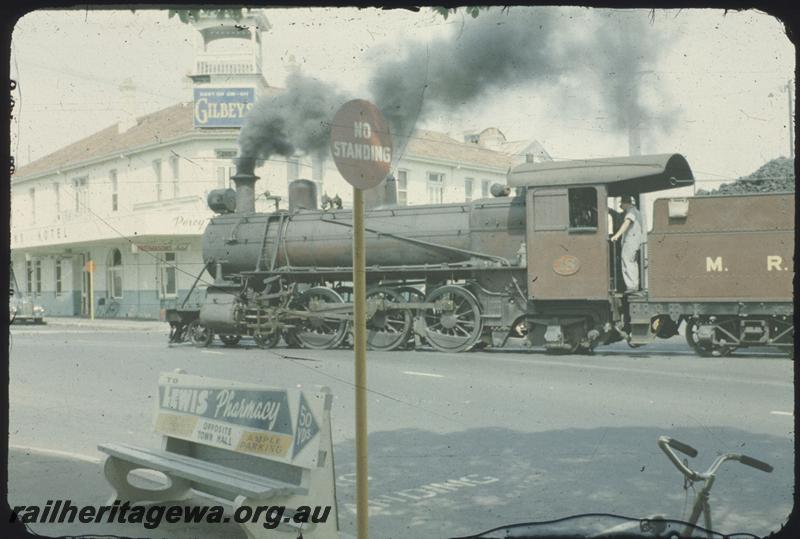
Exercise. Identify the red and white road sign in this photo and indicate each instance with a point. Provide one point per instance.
(361, 144)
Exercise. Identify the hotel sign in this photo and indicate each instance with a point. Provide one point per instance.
(156, 247)
(222, 107)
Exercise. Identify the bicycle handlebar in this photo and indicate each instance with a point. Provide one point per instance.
(680, 446)
(667, 445)
(755, 463)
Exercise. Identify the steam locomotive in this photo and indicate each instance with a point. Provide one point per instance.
(532, 265)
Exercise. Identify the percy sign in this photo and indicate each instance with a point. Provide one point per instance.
(361, 144)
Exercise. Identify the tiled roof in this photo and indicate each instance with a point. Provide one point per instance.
(435, 145)
(154, 128)
(176, 121)
(520, 148)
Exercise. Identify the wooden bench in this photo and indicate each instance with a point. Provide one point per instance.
(236, 443)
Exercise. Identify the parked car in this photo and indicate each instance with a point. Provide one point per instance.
(23, 310)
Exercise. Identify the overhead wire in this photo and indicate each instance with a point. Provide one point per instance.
(159, 261)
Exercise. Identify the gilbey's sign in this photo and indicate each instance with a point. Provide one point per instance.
(222, 107)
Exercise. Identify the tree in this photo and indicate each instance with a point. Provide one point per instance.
(472, 10)
(776, 175)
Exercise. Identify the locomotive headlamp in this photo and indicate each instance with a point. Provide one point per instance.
(222, 200)
(500, 190)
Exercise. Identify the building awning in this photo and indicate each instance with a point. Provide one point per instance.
(621, 175)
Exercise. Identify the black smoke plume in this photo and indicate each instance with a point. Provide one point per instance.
(297, 119)
(605, 54)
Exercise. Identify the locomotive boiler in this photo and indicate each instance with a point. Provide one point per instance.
(532, 264)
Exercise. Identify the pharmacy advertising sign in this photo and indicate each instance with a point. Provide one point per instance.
(279, 424)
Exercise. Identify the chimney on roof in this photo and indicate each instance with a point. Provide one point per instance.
(291, 66)
(128, 108)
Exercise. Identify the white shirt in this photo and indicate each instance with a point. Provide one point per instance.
(634, 236)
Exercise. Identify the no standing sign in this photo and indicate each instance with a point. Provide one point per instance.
(361, 144)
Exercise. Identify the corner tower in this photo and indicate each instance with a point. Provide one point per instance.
(227, 76)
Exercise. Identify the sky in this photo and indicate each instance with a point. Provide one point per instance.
(713, 85)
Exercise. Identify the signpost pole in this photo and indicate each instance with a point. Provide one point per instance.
(360, 348)
(361, 145)
(90, 265)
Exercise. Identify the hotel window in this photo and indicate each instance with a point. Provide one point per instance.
(29, 276)
(223, 173)
(37, 275)
(485, 185)
(79, 186)
(169, 283)
(468, 185)
(402, 187)
(225, 169)
(292, 170)
(435, 187)
(57, 198)
(114, 264)
(58, 278)
(114, 190)
(174, 166)
(158, 176)
(318, 173)
(32, 195)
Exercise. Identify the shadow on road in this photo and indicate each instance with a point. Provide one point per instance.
(424, 484)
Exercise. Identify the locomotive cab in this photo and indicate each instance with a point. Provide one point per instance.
(574, 286)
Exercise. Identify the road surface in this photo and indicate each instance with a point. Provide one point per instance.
(458, 443)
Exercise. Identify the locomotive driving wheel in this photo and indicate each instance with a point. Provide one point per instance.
(317, 331)
(457, 325)
(412, 294)
(387, 329)
(199, 334)
(291, 339)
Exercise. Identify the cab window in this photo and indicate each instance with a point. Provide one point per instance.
(582, 209)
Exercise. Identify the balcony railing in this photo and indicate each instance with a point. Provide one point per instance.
(229, 64)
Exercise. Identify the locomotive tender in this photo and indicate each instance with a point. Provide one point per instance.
(536, 267)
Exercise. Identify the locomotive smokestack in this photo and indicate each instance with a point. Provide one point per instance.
(245, 181)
